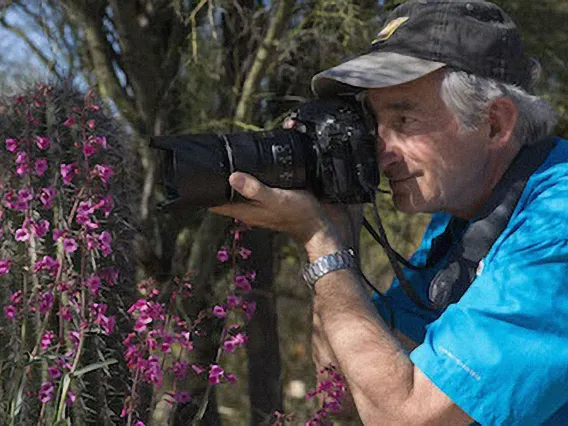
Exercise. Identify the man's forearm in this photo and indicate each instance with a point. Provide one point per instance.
(359, 339)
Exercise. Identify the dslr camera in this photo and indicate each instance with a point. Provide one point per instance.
(330, 152)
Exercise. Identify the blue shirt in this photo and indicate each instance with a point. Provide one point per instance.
(501, 352)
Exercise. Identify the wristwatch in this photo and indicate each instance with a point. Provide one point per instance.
(343, 259)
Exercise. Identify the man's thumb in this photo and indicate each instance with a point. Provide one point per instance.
(247, 185)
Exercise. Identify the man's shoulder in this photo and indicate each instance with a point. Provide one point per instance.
(546, 192)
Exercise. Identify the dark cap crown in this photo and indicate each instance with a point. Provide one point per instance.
(472, 35)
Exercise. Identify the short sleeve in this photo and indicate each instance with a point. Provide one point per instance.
(501, 352)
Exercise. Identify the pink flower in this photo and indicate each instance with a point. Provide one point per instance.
(215, 374)
(242, 283)
(43, 142)
(223, 255)
(68, 172)
(4, 267)
(69, 245)
(58, 233)
(65, 314)
(11, 145)
(10, 311)
(180, 369)
(46, 340)
(105, 240)
(47, 263)
(45, 302)
(182, 397)
(71, 397)
(244, 252)
(46, 392)
(22, 234)
(104, 172)
(219, 311)
(233, 301)
(22, 163)
(197, 368)
(91, 124)
(69, 122)
(40, 166)
(54, 372)
(41, 228)
(94, 283)
(249, 308)
(46, 197)
(16, 297)
(231, 378)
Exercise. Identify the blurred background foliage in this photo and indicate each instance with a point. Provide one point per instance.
(179, 66)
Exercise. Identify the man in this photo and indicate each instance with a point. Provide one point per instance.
(447, 82)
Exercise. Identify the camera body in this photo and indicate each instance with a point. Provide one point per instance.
(330, 152)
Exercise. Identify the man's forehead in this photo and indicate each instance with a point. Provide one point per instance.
(392, 101)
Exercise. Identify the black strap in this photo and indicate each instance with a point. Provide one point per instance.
(450, 284)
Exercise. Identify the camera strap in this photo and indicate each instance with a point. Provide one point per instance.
(450, 283)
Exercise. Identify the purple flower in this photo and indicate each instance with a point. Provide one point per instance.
(215, 374)
(249, 308)
(43, 142)
(153, 371)
(94, 283)
(10, 311)
(40, 166)
(233, 301)
(71, 397)
(58, 233)
(22, 234)
(41, 228)
(104, 172)
(69, 245)
(11, 145)
(22, 163)
(105, 240)
(46, 392)
(242, 283)
(45, 302)
(4, 267)
(231, 378)
(180, 369)
(46, 340)
(245, 252)
(46, 197)
(54, 372)
(219, 311)
(197, 368)
(68, 172)
(69, 122)
(182, 397)
(93, 145)
(223, 255)
(16, 297)
(47, 263)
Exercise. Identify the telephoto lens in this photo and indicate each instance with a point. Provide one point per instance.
(330, 153)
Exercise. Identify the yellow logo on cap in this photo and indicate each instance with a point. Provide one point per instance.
(389, 29)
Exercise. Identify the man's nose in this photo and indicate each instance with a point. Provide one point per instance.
(387, 151)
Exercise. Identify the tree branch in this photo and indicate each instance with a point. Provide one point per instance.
(269, 44)
(49, 64)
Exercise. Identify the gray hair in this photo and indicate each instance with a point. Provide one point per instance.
(469, 97)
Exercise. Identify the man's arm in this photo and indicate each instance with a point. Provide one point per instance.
(386, 387)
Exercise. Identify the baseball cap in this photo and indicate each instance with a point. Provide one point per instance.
(422, 36)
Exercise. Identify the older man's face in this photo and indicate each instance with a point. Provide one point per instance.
(430, 165)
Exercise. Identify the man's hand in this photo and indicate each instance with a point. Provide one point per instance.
(297, 213)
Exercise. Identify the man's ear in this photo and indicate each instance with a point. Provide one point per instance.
(503, 115)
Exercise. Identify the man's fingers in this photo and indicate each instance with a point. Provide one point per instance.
(249, 187)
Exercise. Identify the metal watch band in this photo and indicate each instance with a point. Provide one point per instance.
(343, 259)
